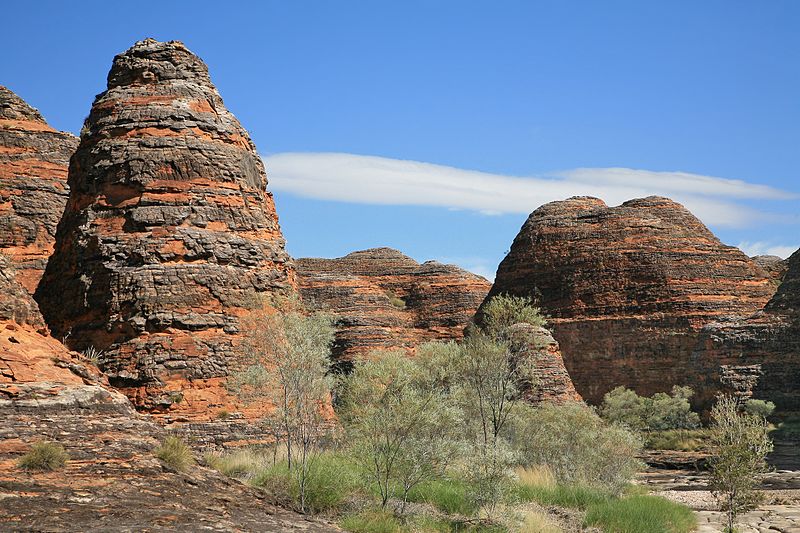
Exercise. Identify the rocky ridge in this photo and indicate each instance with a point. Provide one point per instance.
(628, 288)
(384, 299)
(33, 185)
(168, 236)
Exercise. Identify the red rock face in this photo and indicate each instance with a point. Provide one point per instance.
(167, 236)
(33, 185)
(757, 356)
(386, 300)
(553, 383)
(628, 288)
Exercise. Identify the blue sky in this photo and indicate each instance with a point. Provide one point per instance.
(435, 126)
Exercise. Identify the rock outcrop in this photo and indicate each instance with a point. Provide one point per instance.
(541, 350)
(773, 265)
(168, 235)
(628, 288)
(757, 356)
(33, 185)
(384, 299)
(112, 480)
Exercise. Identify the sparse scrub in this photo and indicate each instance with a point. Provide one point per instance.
(244, 463)
(174, 453)
(569, 496)
(372, 521)
(44, 456)
(659, 412)
(395, 300)
(759, 408)
(449, 495)
(687, 440)
(641, 514)
(534, 522)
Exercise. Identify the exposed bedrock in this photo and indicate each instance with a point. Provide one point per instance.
(385, 300)
(33, 185)
(167, 236)
(628, 288)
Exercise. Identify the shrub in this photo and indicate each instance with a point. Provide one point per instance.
(503, 311)
(331, 480)
(576, 445)
(372, 521)
(45, 456)
(686, 440)
(660, 412)
(759, 408)
(174, 453)
(396, 301)
(448, 495)
(641, 514)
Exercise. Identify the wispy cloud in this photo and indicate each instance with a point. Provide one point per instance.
(380, 180)
(767, 248)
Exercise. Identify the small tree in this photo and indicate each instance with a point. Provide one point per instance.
(288, 367)
(399, 426)
(503, 311)
(741, 444)
(661, 411)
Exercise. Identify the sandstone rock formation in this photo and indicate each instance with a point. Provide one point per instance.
(167, 236)
(385, 299)
(773, 265)
(112, 481)
(537, 345)
(33, 185)
(757, 356)
(628, 288)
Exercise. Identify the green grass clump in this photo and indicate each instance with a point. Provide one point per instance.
(332, 479)
(448, 495)
(245, 463)
(570, 496)
(372, 521)
(174, 453)
(44, 456)
(641, 514)
(687, 440)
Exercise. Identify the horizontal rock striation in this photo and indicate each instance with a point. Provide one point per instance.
(758, 356)
(773, 265)
(384, 299)
(628, 288)
(33, 185)
(168, 235)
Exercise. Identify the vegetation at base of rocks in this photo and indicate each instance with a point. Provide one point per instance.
(761, 408)
(686, 440)
(372, 521)
(641, 514)
(243, 464)
(659, 412)
(44, 456)
(175, 453)
(395, 300)
(740, 445)
(504, 311)
(92, 355)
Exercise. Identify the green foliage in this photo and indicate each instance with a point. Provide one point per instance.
(399, 427)
(659, 412)
(372, 521)
(44, 456)
(450, 495)
(759, 408)
(396, 301)
(569, 496)
(503, 311)
(741, 444)
(641, 514)
(174, 453)
(686, 440)
(576, 445)
(331, 481)
(243, 463)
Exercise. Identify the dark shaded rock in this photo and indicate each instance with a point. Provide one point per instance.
(167, 236)
(384, 299)
(773, 265)
(757, 356)
(628, 288)
(33, 185)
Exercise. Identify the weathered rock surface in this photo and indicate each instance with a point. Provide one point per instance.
(773, 265)
(758, 356)
(386, 300)
(628, 288)
(167, 236)
(33, 185)
(112, 481)
(537, 346)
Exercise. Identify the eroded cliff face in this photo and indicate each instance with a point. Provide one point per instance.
(168, 234)
(628, 288)
(33, 185)
(112, 480)
(386, 300)
(757, 356)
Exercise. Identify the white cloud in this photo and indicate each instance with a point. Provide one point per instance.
(767, 248)
(380, 180)
(477, 265)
